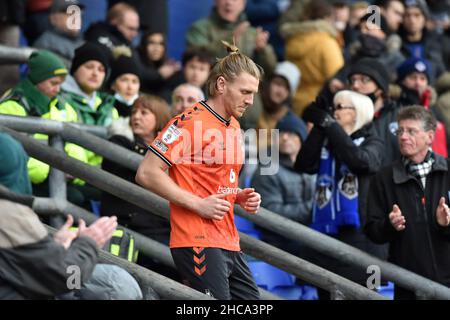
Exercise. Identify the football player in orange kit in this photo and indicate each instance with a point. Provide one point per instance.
(203, 150)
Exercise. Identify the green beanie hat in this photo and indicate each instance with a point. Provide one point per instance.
(43, 65)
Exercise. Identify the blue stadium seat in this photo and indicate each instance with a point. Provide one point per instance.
(293, 292)
(243, 224)
(247, 227)
(255, 234)
(268, 276)
(387, 291)
(181, 15)
(309, 293)
(94, 11)
(275, 280)
(95, 206)
(23, 41)
(280, 282)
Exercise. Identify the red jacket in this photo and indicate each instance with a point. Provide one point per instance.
(439, 144)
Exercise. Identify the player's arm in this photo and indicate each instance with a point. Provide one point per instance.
(152, 175)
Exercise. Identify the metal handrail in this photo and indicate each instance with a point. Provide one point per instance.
(145, 199)
(46, 126)
(290, 229)
(13, 55)
(147, 246)
(165, 287)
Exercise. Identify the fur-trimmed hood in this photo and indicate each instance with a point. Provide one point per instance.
(393, 44)
(443, 83)
(395, 92)
(292, 28)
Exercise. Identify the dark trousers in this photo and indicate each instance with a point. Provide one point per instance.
(220, 273)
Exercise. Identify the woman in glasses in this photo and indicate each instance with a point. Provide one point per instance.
(344, 152)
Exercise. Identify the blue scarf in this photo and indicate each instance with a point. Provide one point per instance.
(336, 197)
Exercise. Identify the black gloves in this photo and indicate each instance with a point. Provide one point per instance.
(319, 117)
(321, 102)
(319, 112)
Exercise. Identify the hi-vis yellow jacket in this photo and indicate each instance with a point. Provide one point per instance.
(16, 104)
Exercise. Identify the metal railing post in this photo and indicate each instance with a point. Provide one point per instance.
(57, 180)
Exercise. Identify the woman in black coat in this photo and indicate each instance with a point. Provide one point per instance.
(149, 115)
(344, 152)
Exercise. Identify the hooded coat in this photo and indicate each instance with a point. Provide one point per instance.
(313, 47)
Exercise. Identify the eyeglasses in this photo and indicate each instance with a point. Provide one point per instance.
(342, 107)
(412, 132)
(362, 79)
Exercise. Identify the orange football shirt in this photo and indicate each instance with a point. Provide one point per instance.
(204, 153)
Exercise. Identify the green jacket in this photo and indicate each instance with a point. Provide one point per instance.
(102, 113)
(210, 31)
(26, 100)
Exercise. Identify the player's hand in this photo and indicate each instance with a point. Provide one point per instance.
(214, 207)
(443, 213)
(249, 200)
(397, 219)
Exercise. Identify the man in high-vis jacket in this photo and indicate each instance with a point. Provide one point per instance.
(37, 95)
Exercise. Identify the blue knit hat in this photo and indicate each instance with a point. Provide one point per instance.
(413, 65)
(292, 123)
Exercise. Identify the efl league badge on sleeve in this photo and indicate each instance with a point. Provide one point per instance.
(171, 134)
(161, 146)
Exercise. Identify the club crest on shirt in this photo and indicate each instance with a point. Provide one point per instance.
(171, 134)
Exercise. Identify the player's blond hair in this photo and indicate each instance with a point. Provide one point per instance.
(230, 67)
